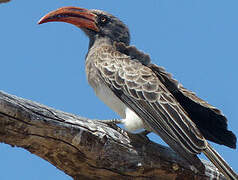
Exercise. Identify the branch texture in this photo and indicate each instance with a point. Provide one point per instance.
(88, 149)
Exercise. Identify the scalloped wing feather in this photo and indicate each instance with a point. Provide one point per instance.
(141, 86)
(201, 112)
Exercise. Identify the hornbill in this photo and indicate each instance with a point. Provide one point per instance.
(144, 94)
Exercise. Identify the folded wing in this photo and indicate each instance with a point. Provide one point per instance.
(141, 90)
(208, 119)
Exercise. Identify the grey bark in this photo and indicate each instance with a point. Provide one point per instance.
(88, 149)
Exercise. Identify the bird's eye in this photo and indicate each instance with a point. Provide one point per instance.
(103, 19)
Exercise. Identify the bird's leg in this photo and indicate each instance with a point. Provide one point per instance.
(113, 122)
(120, 121)
(144, 133)
(143, 136)
(110, 121)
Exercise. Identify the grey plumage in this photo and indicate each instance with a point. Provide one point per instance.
(209, 120)
(144, 94)
(139, 88)
(133, 52)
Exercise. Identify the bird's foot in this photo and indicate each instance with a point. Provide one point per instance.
(144, 133)
(110, 121)
(142, 136)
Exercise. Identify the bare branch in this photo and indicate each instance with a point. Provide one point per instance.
(88, 149)
(4, 1)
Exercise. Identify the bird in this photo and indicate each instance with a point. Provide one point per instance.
(143, 94)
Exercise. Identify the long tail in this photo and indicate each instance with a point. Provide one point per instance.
(220, 163)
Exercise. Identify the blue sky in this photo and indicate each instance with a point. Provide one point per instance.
(195, 40)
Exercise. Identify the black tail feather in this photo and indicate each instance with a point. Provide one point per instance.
(220, 163)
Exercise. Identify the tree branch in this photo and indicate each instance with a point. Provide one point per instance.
(4, 1)
(88, 149)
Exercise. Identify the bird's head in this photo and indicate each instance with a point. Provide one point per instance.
(95, 23)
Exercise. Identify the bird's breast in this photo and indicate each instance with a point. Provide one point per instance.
(110, 99)
(131, 121)
(103, 92)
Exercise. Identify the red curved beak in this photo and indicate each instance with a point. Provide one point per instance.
(82, 18)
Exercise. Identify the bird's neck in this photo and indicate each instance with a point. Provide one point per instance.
(96, 43)
(99, 41)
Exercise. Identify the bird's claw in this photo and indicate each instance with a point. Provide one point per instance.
(110, 121)
(144, 133)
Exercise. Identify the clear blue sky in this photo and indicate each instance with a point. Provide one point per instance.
(197, 41)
